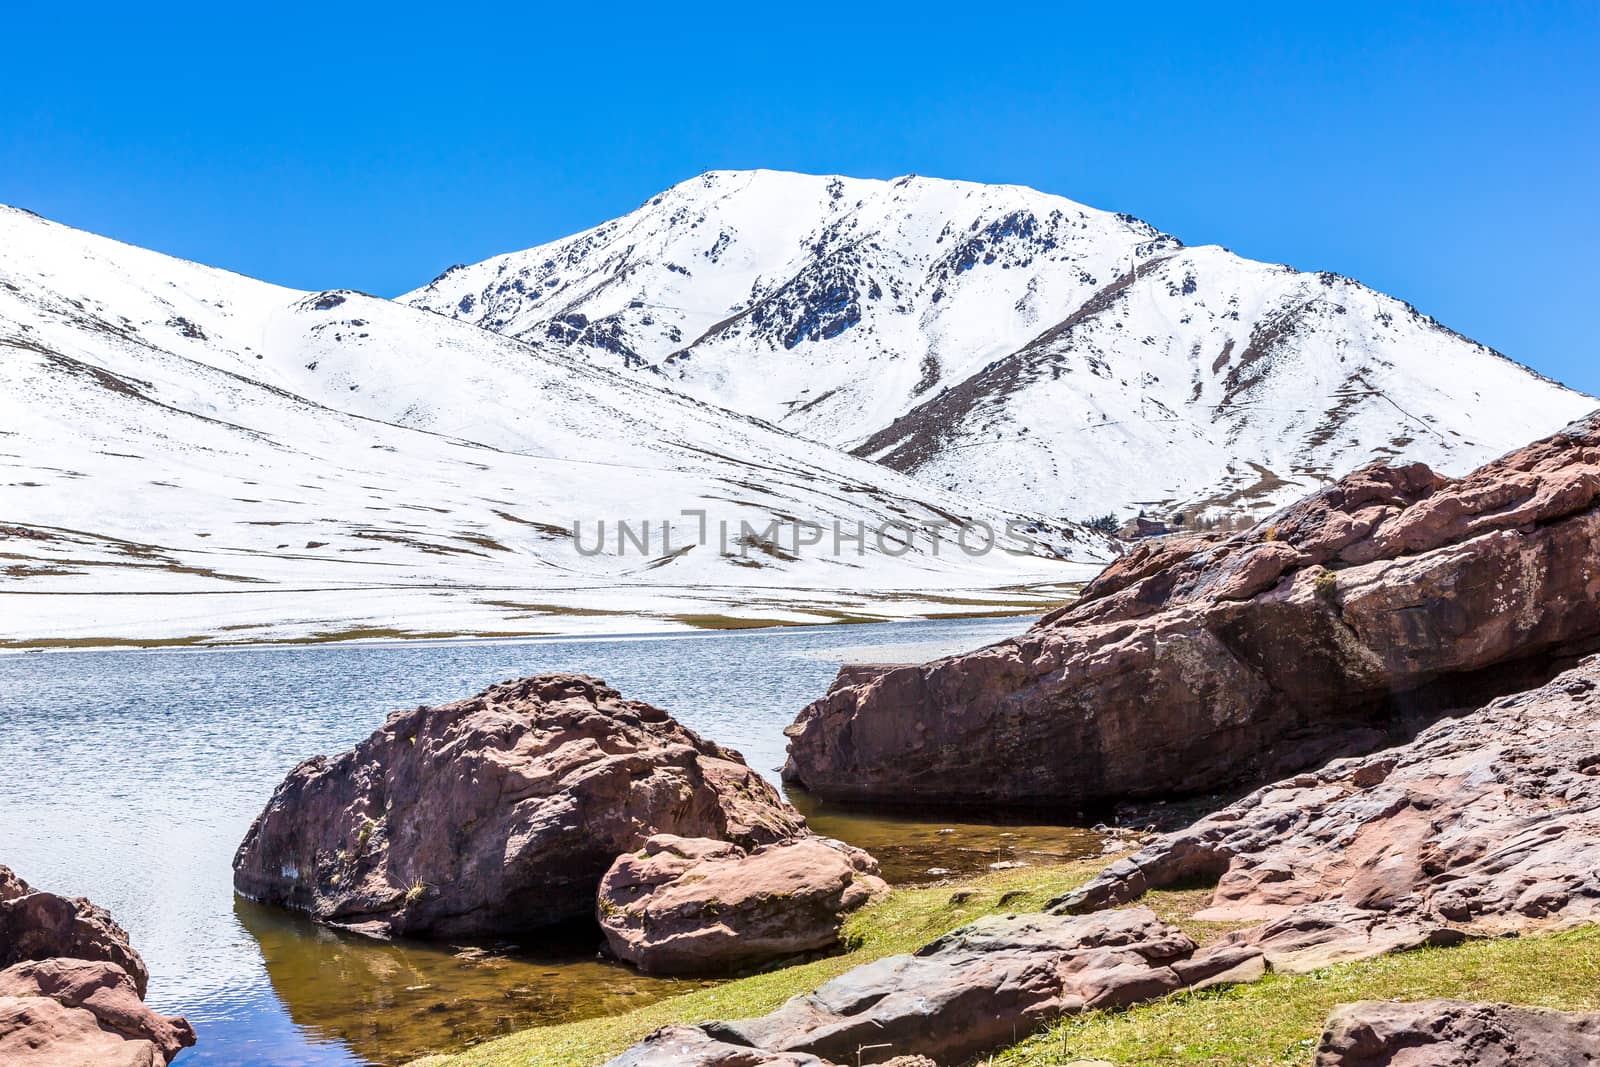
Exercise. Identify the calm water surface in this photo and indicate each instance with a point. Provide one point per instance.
(130, 778)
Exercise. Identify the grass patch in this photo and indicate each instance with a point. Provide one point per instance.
(104, 642)
(549, 609)
(1274, 1021)
(904, 920)
(1279, 1019)
(732, 622)
(1042, 607)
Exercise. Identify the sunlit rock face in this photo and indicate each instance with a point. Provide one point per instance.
(498, 814)
(1197, 664)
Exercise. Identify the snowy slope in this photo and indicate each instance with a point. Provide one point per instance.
(1010, 344)
(190, 454)
(1210, 384)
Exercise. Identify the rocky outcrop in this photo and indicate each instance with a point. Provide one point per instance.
(72, 987)
(69, 1013)
(496, 814)
(976, 989)
(1484, 824)
(690, 1046)
(1198, 664)
(36, 925)
(1454, 1033)
(696, 906)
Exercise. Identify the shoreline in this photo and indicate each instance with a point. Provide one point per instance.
(424, 640)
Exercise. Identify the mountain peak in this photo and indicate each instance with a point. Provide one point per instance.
(931, 323)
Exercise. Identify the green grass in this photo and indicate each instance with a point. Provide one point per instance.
(1275, 1021)
(1279, 1019)
(904, 920)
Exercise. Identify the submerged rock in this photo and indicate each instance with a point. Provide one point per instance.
(971, 991)
(72, 987)
(497, 814)
(1454, 1033)
(696, 906)
(1484, 824)
(1196, 664)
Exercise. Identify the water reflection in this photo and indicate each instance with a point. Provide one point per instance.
(130, 778)
(393, 1001)
(910, 848)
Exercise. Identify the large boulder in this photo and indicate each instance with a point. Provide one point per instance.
(498, 814)
(697, 906)
(36, 925)
(1484, 824)
(969, 992)
(1197, 664)
(1454, 1033)
(72, 1013)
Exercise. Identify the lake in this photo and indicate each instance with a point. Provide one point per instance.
(130, 778)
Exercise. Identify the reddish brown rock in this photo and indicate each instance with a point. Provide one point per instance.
(72, 987)
(1197, 664)
(497, 814)
(72, 1013)
(1483, 824)
(35, 925)
(972, 991)
(696, 906)
(1454, 1033)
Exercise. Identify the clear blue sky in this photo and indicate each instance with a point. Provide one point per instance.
(1450, 156)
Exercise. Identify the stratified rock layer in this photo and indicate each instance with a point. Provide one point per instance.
(1484, 824)
(696, 906)
(1197, 664)
(971, 991)
(496, 814)
(690, 1046)
(1454, 1033)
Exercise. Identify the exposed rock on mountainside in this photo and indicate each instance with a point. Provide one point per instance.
(496, 814)
(971, 991)
(72, 988)
(1484, 824)
(1454, 1033)
(1018, 346)
(1198, 664)
(695, 906)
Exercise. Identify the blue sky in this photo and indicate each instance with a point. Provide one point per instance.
(1448, 154)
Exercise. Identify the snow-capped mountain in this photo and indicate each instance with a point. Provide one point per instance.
(195, 455)
(1010, 344)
